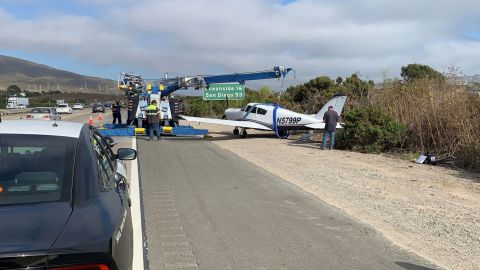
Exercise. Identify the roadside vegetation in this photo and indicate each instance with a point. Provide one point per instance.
(423, 112)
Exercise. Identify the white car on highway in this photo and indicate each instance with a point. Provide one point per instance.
(78, 106)
(43, 113)
(64, 108)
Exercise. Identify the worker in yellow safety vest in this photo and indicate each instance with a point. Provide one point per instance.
(153, 120)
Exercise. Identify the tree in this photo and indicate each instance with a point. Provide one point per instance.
(339, 80)
(265, 92)
(417, 71)
(357, 89)
(13, 90)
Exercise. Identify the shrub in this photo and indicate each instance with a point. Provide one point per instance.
(441, 117)
(371, 129)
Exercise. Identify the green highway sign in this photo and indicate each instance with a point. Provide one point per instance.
(224, 91)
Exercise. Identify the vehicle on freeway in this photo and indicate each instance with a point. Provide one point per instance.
(98, 107)
(108, 104)
(64, 108)
(17, 103)
(78, 106)
(64, 200)
(43, 113)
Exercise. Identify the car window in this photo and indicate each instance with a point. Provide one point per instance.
(62, 106)
(35, 168)
(254, 110)
(261, 111)
(105, 159)
(40, 110)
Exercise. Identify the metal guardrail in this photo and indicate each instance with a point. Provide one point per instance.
(13, 111)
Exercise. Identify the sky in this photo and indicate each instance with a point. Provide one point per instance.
(372, 38)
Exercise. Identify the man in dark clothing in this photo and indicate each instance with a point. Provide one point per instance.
(153, 119)
(117, 111)
(330, 118)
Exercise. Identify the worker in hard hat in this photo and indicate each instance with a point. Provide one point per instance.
(153, 120)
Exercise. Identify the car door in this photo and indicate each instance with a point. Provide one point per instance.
(122, 238)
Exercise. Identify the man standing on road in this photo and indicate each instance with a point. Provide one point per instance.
(153, 119)
(330, 118)
(117, 111)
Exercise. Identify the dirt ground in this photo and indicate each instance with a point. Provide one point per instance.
(429, 210)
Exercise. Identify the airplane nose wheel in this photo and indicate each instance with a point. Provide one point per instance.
(236, 132)
(244, 133)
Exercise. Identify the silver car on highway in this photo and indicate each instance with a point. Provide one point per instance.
(43, 113)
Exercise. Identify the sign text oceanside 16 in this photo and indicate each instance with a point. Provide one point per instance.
(223, 91)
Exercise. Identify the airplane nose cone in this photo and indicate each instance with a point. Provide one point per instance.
(231, 114)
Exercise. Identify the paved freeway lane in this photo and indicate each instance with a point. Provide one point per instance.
(206, 208)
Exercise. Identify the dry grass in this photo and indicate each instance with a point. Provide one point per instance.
(441, 117)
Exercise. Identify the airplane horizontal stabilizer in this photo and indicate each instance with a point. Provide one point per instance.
(320, 126)
(233, 123)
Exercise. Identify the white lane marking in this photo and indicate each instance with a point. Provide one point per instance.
(137, 263)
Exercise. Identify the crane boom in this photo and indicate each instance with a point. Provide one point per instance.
(166, 86)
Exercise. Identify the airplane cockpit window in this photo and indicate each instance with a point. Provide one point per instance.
(261, 111)
(254, 110)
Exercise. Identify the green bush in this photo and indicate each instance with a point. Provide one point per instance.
(371, 129)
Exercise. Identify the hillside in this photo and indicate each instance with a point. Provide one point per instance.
(32, 76)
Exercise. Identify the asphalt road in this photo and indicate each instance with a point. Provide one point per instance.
(206, 208)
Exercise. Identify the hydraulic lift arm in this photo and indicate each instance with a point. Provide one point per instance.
(166, 86)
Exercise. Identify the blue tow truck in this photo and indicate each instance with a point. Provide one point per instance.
(139, 92)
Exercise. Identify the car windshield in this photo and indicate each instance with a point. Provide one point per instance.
(62, 106)
(78, 104)
(35, 168)
(40, 110)
(98, 104)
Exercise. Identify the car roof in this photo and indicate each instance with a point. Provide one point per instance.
(38, 127)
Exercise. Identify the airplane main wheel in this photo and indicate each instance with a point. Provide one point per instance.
(283, 134)
(244, 134)
(236, 132)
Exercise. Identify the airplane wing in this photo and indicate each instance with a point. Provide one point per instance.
(233, 123)
(320, 126)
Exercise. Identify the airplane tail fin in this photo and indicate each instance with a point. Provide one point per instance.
(337, 101)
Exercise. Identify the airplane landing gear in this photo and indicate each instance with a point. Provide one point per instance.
(244, 133)
(236, 132)
(283, 134)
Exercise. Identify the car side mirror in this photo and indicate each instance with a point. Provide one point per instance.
(126, 154)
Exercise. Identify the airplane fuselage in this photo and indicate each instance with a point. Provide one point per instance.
(264, 114)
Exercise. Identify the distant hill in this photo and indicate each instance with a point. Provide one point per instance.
(37, 77)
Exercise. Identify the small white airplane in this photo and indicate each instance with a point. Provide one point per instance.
(269, 116)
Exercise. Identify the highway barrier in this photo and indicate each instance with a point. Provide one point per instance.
(13, 111)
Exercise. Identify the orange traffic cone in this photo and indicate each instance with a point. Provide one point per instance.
(90, 121)
(100, 117)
